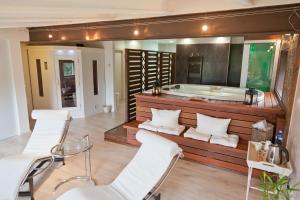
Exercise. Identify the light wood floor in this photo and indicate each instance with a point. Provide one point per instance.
(188, 181)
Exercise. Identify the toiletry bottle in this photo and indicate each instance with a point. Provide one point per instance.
(279, 138)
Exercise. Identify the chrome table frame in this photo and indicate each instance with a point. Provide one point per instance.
(87, 159)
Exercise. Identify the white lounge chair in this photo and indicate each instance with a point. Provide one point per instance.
(141, 177)
(50, 129)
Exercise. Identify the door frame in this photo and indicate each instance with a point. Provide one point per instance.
(78, 110)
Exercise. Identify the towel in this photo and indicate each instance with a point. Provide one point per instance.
(162, 129)
(172, 131)
(192, 133)
(230, 141)
(148, 126)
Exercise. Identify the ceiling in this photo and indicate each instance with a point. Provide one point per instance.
(33, 13)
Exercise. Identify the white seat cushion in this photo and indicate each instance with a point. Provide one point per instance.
(148, 125)
(171, 131)
(147, 167)
(229, 141)
(62, 115)
(12, 172)
(139, 177)
(193, 134)
(165, 118)
(212, 126)
(45, 135)
(106, 192)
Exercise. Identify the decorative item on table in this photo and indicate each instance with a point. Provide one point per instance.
(262, 131)
(156, 90)
(251, 96)
(263, 151)
(278, 155)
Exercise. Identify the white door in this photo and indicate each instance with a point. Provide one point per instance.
(93, 74)
(42, 78)
(67, 72)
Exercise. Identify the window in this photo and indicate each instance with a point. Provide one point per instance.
(39, 77)
(95, 77)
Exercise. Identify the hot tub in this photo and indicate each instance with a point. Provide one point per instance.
(210, 92)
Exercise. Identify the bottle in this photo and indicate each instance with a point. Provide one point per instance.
(279, 138)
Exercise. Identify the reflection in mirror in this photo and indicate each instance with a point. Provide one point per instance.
(218, 68)
(67, 83)
(281, 73)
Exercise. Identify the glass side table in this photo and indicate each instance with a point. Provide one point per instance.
(74, 148)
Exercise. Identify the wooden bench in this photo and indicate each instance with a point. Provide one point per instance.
(204, 152)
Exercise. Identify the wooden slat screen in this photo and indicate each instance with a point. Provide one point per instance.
(143, 69)
(134, 62)
(151, 66)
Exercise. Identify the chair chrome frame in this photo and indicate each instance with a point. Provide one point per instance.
(38, 167)
(153, 192)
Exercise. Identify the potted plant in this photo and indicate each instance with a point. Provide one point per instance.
(276, 188)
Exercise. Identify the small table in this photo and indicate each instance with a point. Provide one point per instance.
(254, 162)
(74, 148)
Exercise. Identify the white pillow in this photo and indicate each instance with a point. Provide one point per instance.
(165, 118)
(212, 126)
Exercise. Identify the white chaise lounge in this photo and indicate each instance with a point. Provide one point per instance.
(141, 177)
(50, 129)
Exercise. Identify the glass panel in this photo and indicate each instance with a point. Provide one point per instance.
(39, 77)
(95, 77)
(67, 83)
(260, 66)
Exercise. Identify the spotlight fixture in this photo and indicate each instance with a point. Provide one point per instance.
(87, 37)
(50, 36)
(136, 32)
(204, 27)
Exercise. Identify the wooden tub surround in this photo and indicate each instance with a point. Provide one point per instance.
(242, 117)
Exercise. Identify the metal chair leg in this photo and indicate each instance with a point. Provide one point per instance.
(31, 190)
(156, 197)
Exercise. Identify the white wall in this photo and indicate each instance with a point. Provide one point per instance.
(93, 103)
(13, 104)
(294, 137)
(109, 73)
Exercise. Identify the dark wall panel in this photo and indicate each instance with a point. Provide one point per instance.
(215, 62)
(235, 64)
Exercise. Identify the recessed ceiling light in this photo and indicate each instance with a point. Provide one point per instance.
(63, 37)
(50, 36)
(136, 32)
(87, 37)
(204, 27)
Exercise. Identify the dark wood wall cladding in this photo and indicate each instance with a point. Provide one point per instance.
(274, 19)
(214, 64)
(143, 69)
